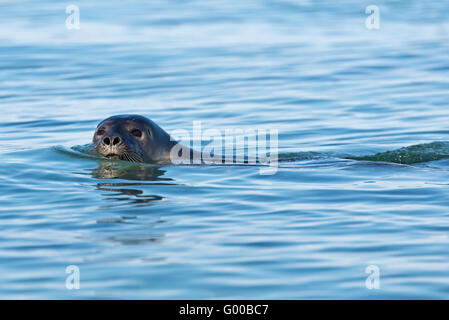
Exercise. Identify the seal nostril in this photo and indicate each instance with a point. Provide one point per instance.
(107, 141)
(116, 141)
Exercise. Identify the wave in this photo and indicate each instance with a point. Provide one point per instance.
(407, 155)
(85, 151)
(418, 153)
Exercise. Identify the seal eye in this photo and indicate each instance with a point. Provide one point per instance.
(100, 132)
(136, 133)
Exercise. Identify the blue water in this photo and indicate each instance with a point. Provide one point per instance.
(311, 70)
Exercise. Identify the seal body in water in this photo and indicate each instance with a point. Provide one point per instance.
(132, 138)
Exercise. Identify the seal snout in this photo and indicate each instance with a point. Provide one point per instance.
(113, 156)
(111, 146)
(111, 141)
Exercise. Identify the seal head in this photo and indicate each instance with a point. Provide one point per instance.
(132, 138)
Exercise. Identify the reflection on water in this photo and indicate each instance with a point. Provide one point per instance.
(128, 171)
(129, 191)
(136, 239)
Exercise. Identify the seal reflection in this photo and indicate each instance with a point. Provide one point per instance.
(129, 192)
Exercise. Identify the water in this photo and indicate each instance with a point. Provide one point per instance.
(333, 89)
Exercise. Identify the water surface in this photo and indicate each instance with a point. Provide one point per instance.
(314, 72)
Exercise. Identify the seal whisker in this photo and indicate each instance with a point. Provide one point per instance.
(131, 156)
(134, 157)
(127, 157)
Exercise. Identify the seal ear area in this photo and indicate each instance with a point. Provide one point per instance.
(150, 132)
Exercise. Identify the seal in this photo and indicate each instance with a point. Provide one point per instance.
(132, 138)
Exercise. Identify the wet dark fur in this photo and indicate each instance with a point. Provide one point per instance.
(153, 144)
